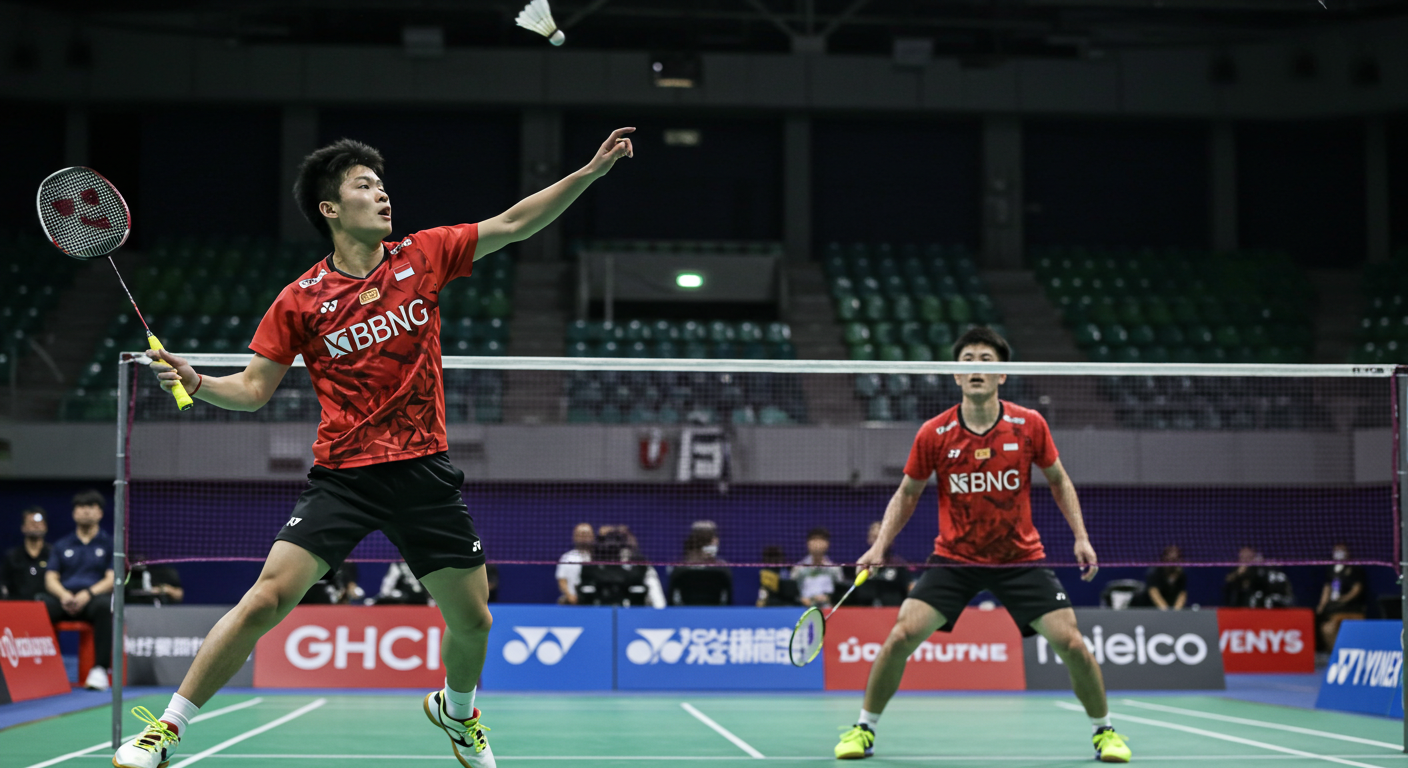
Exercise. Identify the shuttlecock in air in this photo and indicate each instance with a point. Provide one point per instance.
(537, 16)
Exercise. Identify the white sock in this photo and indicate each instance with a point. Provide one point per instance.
(869, 719)
(1100, 722)
(179, 713)
(458, 704)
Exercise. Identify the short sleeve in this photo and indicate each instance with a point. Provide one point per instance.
(276, 337)
(449, 250)
(920, 466)
(1043, 447)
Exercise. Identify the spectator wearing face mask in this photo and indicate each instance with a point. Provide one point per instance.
(22, 571)
(706, 579)
(1344, 596)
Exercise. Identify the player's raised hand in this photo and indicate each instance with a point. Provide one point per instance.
(170, 368)
(1085, 555)
(616, 146)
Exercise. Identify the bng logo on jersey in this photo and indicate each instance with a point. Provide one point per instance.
(379, 328)
(984, 482)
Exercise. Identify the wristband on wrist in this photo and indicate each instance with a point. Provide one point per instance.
(199, 381)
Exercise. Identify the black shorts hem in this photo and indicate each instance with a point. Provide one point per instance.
(1027, 591)
(423, 568)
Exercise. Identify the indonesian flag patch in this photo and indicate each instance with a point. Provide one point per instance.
(404, 272)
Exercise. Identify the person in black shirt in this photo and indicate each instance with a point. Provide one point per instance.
(1343, 597)
(1166, 585)
(1254, 585)
(153, 585)
(22, 572)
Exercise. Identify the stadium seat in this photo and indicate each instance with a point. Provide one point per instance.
(931, 309)
(940, 336)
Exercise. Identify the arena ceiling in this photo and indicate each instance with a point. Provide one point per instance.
(980, 29)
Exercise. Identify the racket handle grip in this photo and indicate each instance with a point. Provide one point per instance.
(178, 391)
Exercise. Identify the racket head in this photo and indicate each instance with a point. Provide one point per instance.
(82, 213)
(807, 637)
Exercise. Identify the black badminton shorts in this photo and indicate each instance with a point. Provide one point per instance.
(1028, 592)
(415, 502)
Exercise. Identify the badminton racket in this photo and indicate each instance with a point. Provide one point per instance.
(84, 216)
(810, 633)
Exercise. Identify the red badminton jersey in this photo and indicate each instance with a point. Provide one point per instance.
(372, 347)
(985, 508)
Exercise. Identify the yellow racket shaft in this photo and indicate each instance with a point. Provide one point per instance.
(183, 400)
(860, 579)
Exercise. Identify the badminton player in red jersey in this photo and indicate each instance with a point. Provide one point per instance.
(366, 321)
(982, 450)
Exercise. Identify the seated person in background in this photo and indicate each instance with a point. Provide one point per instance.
(22, 571)
(153, 585)
(491, 573)
(569, 566)
(706, 580)
(816, 576)
(1344, 596)
(79, 581)
(614, 575)
(775, 587)
(889, 584)
(1166, 586)
(401, 587)
(1252, 585)
(335, 588)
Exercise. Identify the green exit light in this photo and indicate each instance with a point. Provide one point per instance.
(689, 280)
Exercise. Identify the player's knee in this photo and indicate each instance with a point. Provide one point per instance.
(477, 621)
(903, 639)
(1070, 646)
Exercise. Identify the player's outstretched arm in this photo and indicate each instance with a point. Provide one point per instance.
(897, 514)
(1064, 491)
(247, 390)
(540, 209)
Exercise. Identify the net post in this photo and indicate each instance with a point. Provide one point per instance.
(1400, 477)
(119, 547)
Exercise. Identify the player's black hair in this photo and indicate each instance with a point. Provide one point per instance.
(321, 173)
(84, 498)
(818, 533)
(986, 336)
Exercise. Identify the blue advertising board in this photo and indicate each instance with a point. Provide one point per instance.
(710, 649)
(550, 648)
(1366, 669)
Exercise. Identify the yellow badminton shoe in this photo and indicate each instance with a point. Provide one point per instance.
(1110, 746)
(152, 748)
(467, 738)
(856, 743)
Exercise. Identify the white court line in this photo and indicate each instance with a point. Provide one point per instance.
(803, 758)
(108, 744)
(1262, 724)
(722, 731)
(303, 710)
(1223, 737)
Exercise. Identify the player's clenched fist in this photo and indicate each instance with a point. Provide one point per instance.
(614, 148)
(171, 368)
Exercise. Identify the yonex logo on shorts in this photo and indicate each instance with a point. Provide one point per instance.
(292, 521)
(379, 328)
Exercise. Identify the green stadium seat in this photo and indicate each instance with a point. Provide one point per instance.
(883, 333)
(1156, 353)
(867, 385)
(637, 349)
(1184, 311)
(723, 350)
(864, 351)
(1212, 354)
(1184, 354)
(842, 286)
(578, 349)
(912, 333)
(920, 286)
(855, 333)
(665, 350)
(1227, 336)
(879, 409)
(1115, 335)
(894, 285)
(1131, 314)
(1103, 311)
(891, 353)
(959, 310)
(919, 352)
(696, 350)
(1127, 354)
(848, 309)
(1271, 355)
(1100, 353)
(784, 351)
(777, 333)
(902, 308)
(931, 309)
(940, 336)
(1242, 354)
(1170, 335)
(1212, 311)
(1199, 336)
(1255, 336)
(1088, 335)
(1142, 335)
(497, 304)
(578, 330)
(984, 311)
(876, 309)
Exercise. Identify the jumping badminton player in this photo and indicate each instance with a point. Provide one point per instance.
(366, 322)
(983, 450)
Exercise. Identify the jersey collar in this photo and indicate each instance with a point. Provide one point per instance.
(1001, 411)
(384, 258)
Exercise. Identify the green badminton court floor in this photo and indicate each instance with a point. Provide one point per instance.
(312, 731)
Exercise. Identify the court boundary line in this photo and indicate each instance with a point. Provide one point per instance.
(785, 758)
(1222, 736)
(301, 711)
(1262, 724)
(84, 752)
(722, 731)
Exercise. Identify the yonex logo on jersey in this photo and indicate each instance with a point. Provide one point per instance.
(1013, 419)
(369, 295)
(945, 428)
(328, 306)
(379, 328)
(312, 281)
(400, 245)
(954, 453)
(984, 482)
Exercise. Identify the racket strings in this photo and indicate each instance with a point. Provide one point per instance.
(82, 214)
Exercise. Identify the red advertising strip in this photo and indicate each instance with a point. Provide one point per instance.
(30, 664)
(330, 646)
(1267, 640)
(983, 653)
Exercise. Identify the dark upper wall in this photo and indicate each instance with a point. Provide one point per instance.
(1398, 182)
(1300, 189)
(727, 187)
(442, 167)
(34, 137)
(1116, 183)
(896, 181)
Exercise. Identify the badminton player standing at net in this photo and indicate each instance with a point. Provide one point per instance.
(982, 450)
(366, 322)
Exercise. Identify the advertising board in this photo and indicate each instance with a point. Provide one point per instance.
(709, 649)
(30, 664)
(1267, 640)
(335, 646)
(162, 642)
(550, 648)
(1137, 649)
(983, 652)
(1366, 669)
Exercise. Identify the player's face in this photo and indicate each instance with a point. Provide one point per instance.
(818, 547)
(980, 386)
(87, 514)
(582, 537)
(34, 527)
(365, 208)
